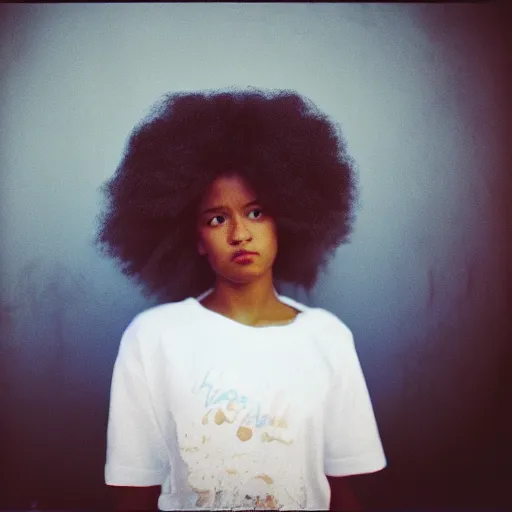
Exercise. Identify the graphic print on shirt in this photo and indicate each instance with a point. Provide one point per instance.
(242, 450)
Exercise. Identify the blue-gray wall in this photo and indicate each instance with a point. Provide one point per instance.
(419, 91)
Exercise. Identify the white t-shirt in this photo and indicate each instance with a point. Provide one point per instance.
(227, 416)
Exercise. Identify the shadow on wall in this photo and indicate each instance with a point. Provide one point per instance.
(445, 429)
(35, 325)
(55, 394)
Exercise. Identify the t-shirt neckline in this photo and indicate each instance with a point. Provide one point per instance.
(286, 300)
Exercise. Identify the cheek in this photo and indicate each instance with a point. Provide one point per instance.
(271, 232)
(204, 241)
(211, 243)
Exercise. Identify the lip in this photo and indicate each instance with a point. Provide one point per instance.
(240, 254)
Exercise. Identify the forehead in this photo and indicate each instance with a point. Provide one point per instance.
(228, 189)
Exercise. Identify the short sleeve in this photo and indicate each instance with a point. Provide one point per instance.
(136, 451)
(352, 441)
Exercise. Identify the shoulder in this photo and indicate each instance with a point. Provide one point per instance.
(330, 326)
(320, 317)
(164, 314)
(332, 338)
(322, 322)
(152, 323)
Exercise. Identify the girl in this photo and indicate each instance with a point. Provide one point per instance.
(228, 395)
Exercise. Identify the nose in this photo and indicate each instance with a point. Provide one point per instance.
(240, 232)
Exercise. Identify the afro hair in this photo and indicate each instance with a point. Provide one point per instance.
(287, 150)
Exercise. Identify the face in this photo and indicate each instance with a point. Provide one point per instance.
(231, 219)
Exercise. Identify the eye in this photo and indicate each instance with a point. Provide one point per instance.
(216, 217)
(257, 210)
(210, 222)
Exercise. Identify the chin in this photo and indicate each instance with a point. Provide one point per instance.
(244, 276)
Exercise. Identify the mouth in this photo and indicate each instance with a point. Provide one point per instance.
(243, 254)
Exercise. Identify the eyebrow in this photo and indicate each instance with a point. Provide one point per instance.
(217, 208)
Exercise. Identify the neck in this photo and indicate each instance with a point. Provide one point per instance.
(250, 301)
